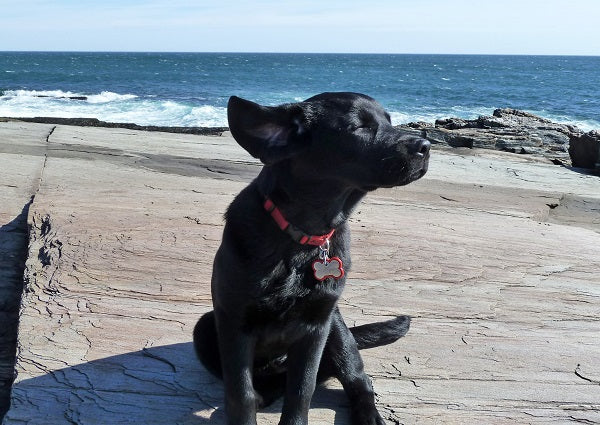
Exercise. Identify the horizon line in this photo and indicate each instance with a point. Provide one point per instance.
(300, 53)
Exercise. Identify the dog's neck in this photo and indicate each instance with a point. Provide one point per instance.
(312, 205)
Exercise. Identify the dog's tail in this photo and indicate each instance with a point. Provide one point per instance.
(206, 344)
(380, 333)
(367, 336)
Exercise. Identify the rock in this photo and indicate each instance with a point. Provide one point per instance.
(64, 97)
(451, 123)
(585, 150)
(22, 150)
(94, 122)
(417, 125)
(508, 130)
(484, 253)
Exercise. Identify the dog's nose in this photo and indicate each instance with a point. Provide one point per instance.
(424, 147)
(420, 147)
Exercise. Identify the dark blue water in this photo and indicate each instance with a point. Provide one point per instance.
(192, 89)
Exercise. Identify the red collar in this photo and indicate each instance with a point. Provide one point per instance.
(296, 234)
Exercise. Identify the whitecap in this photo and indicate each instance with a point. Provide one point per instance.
(208, 116)
(111, 107)
(583, 124)
(106, 97)
(39, 93)
(431, 114)
(406, 117)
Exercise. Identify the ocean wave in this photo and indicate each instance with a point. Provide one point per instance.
(106, 97)
(151, 110)
(430, 114)
(103, 97)
(583, 124)
(23, 95)
(109, 106)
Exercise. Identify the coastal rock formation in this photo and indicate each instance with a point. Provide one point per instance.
(494, 255)
(22, 155)
(585, 150)
(507, 130)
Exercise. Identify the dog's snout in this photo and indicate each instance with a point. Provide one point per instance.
(425, 146)
(420, 147)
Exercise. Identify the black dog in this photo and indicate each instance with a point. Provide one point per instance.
(276, 329)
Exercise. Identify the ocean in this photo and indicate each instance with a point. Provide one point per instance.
(191, 89)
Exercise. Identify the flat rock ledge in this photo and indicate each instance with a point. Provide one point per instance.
(494, 255)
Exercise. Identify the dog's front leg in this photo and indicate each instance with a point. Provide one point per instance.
(342, 359)
(237, 356)
(304, 357)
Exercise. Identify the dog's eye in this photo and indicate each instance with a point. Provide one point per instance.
(364, 126)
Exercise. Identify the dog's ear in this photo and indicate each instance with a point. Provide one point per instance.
(269, 133)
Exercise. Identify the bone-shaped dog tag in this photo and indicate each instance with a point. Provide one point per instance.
(331, 267)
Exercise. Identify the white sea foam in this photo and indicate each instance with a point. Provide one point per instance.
(404, 118)
(210, 116)
(28, 94)
(106, 97)
(150, 110)
(109, 106)
(430, 115)
(583, 124)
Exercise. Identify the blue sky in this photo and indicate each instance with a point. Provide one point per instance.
(568, 27)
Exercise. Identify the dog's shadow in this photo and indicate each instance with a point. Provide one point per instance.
(157, 385)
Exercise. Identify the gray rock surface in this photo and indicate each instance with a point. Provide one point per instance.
(507, 130)
(494, 255)
(22, 149)
(94, 122)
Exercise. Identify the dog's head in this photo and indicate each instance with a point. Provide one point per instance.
(347, 137)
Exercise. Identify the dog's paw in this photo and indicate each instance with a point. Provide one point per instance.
(366, 416)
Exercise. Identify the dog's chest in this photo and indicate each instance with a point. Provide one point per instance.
(284, 320)
(292, 300)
